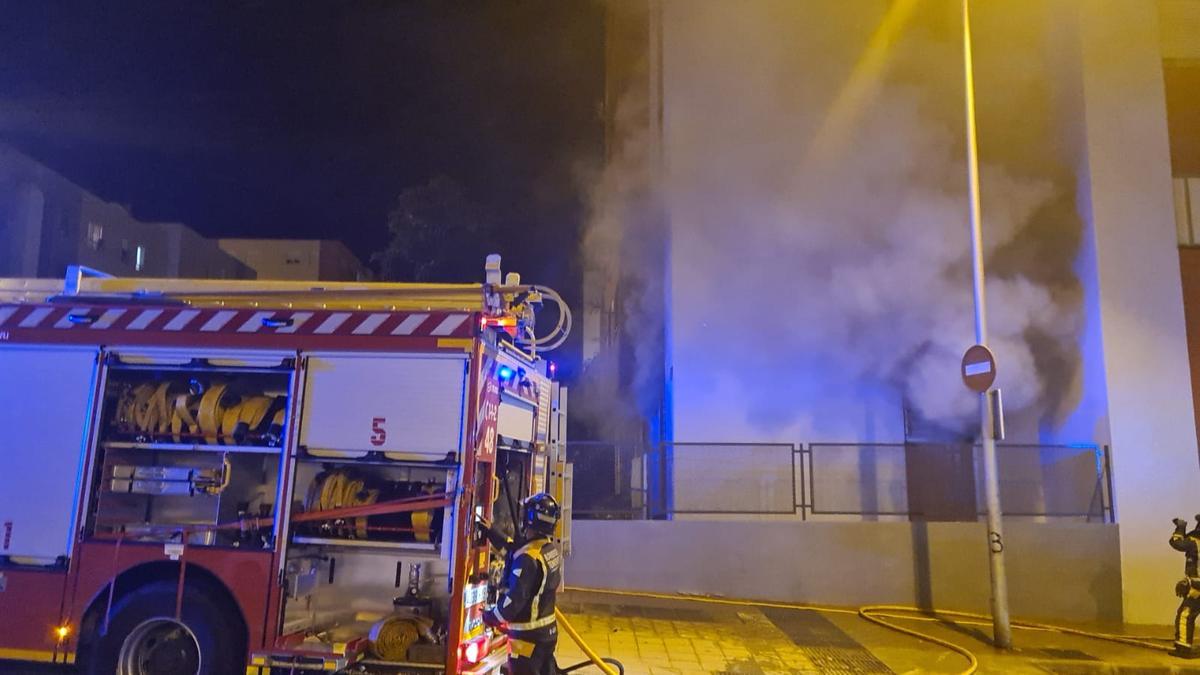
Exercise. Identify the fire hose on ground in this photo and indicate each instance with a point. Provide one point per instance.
(609, 666)
(878, 614)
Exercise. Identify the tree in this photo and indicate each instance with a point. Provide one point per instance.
(437, 234)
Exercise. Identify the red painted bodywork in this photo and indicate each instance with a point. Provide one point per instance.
(388, 334)
(478, 473)
(274, 614)
(246, 573)
(234, 340)
(37, 601)
(465, 505)
(30, 608)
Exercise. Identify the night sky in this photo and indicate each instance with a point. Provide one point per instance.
(306, 119)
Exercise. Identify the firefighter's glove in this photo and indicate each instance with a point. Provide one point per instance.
(490, 618)
(1179, 522)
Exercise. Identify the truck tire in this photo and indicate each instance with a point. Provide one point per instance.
(144, 638)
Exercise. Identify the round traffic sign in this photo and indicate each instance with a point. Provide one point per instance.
(978, 369)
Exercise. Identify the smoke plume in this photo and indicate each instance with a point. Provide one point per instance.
(805, 278)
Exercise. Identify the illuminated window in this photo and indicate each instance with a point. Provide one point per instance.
(95, 236)
(139, 258)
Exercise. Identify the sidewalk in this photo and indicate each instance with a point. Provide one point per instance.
(680, 637)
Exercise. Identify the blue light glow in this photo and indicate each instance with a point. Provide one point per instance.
(505, 373)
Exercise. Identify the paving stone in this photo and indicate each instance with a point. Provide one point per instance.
(682, 637)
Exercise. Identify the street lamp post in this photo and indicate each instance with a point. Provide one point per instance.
(1001, 629)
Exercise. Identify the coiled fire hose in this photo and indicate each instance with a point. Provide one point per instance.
(338, 489)
(392, 637)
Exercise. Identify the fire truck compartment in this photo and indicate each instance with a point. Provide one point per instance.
(513, 478)
(515, 418)
(362, 593)
(327, 484)
(190, 443)
(201, 403)
(406, 406)
(351, 578)
(155, 495)
(45, 406)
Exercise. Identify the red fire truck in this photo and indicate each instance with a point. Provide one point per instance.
(203, 476)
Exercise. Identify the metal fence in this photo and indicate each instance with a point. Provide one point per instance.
(612, 482)
(832, 481)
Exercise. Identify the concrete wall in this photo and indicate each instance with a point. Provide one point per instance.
(22, 222)
(1068, 572)
(1179, 27)
(192, 256)
(725, 127)
(123, 235)
(39, 217)
(1125, 181)
(734, 135)
(47, 223)
(797, 283)
(338, 263)
(784, 329)
(297, 259)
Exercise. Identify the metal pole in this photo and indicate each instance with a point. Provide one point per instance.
(1001, 630)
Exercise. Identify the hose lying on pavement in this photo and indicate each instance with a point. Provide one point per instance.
(867, 613)
(609, 666)
(878, 614)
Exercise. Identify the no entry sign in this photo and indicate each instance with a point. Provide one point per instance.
(978, 369)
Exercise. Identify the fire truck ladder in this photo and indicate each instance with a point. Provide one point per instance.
(510, 304)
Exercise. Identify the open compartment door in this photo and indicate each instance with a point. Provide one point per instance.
(45, 404)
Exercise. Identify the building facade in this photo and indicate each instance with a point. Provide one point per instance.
(298, 259)
(805, 170)
(47, 223)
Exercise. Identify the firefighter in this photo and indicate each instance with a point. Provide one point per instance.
(525, 607)
(1188, 589)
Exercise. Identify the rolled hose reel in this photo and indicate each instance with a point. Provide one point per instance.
(340, 488)
(221, 413)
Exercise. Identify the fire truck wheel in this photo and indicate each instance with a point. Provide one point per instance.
(144, 638)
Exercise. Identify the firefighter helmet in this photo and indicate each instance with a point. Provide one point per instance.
(541, 513)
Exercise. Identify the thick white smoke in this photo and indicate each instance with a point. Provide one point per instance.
(623, 263)
(842, 270)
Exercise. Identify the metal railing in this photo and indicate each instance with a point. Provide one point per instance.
(867, 481)
(612, 486)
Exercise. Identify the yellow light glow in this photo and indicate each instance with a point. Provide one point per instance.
(62, 632)
(860, 87)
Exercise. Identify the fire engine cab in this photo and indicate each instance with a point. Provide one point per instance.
(207, 476)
